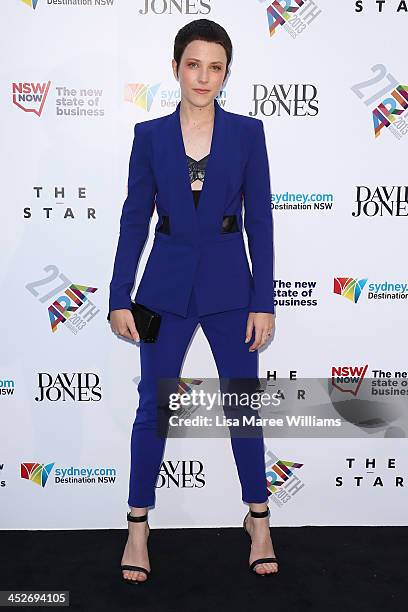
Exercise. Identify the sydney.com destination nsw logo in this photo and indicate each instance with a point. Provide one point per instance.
(32, 3)
(353, 289)
(74, 3)
(39, 474)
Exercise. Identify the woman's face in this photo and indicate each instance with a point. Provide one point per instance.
(202, 67)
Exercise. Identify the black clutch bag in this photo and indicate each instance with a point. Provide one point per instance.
(147, 322)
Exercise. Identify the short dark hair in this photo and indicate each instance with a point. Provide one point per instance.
(202, 29)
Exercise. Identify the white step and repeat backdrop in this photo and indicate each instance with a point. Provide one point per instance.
(330, 82)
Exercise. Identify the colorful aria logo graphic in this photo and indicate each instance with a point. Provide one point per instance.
(349, 288)
(286, 13)
(30, 97)
(279, 474)
(184, 386)
(32, 3)
(63, 307)
(36, 472)
(390, 98)
(387, 112)
(141, 95)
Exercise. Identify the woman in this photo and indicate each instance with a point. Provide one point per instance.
(197, 164)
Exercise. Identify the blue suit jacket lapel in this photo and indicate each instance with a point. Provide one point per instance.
(212, 197)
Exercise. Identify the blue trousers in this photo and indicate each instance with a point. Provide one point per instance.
(225, 332)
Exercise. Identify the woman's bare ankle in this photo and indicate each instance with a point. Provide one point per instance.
(255, 507)
(135, 511)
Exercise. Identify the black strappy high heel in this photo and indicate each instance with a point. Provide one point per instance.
(266, 559)
(137, 568)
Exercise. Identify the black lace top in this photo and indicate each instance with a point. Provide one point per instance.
(196, 170)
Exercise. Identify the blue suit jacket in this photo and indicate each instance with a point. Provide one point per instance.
(203, 247)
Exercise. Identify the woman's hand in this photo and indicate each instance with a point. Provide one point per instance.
(123, 324)
(264, 323)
